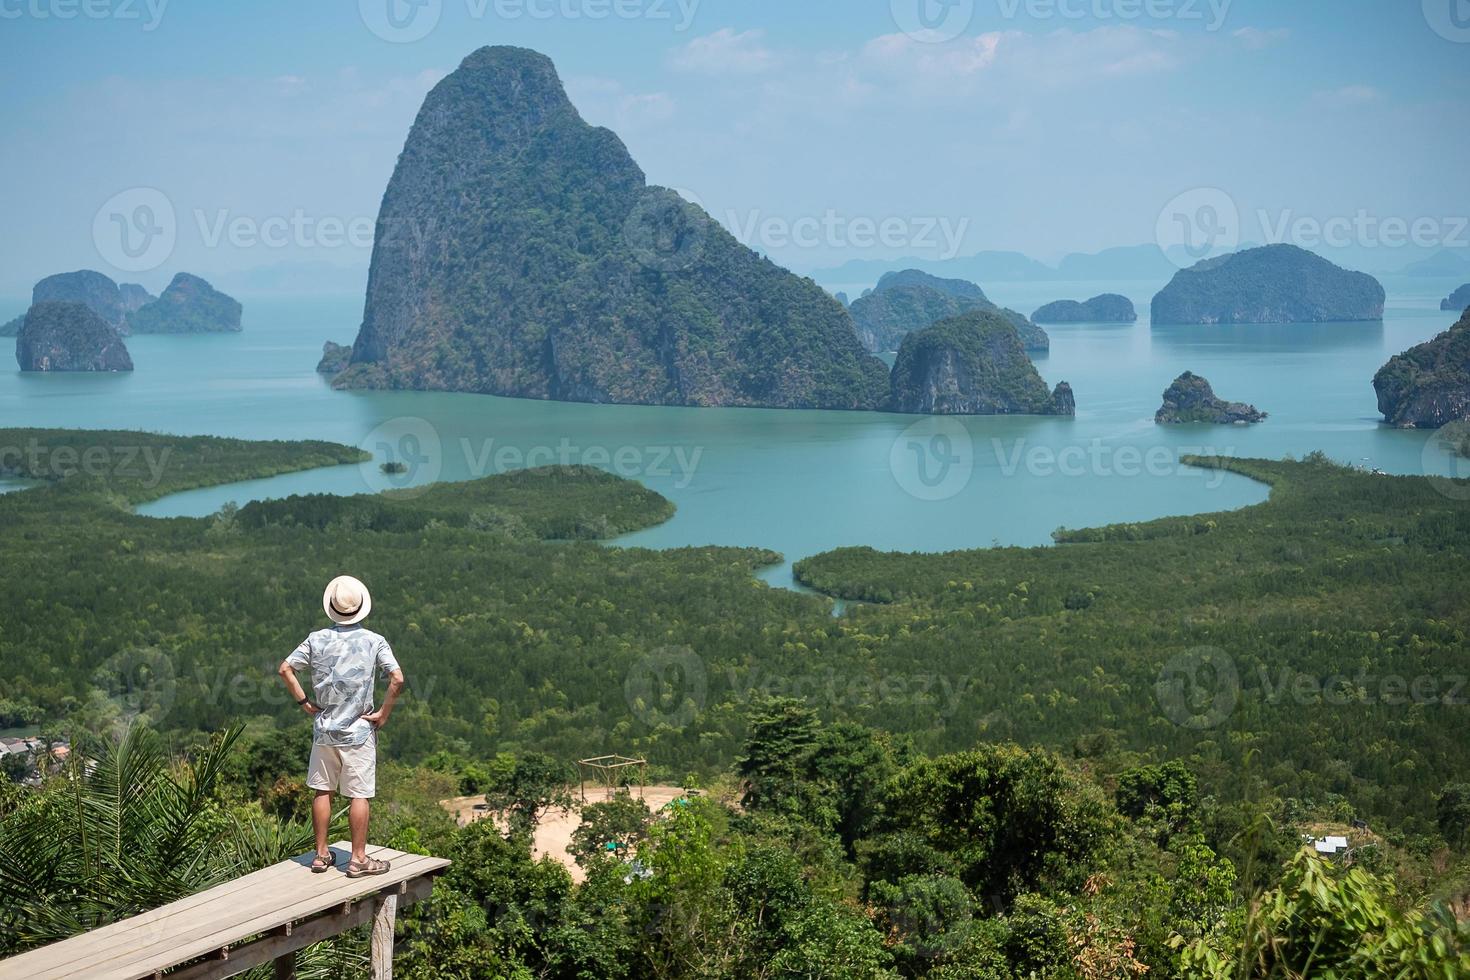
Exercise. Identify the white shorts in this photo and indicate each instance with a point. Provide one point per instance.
(351, 770)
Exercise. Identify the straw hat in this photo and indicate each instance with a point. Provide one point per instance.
(346, 601)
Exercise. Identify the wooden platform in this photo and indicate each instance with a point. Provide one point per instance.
(264, 916)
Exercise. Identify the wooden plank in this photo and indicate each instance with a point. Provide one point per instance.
(211, 920)
(269, 910)
(269, 891)
(385, 914)
(105, 937)
(272, 947)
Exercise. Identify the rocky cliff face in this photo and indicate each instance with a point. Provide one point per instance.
(188, 305)
(335, 358)
(69, 337)
(132, 296)
(1191, 399)
(910, 300)
(1429, 385)
(520, 252)
(1458, 301)
(972, 364)
(110, 301)
(1272, 284)
(1105, 308)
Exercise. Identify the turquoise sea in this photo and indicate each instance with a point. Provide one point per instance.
(797, 482)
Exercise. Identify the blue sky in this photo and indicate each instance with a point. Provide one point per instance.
(270, 128)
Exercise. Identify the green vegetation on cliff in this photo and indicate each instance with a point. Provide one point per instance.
(972, 364)
(910, 300)
(1270, 284)
(520, 252)
(188, 305)
(1428, 385)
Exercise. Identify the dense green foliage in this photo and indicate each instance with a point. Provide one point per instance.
(1428, 385)
(891, 824)
(1269, 284)
(188, 305)
(69, 337)
(910, 300)
(1324, 629)
(997, 863)
(520, 252)
(1103, 308)
(973, 364)
(1190, 398)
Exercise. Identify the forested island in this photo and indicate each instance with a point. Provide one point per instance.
(859, 794)
(1103, 308)
(910, 300)
(110, 301)
(1458, 301)
(1428, 385)
(69, 337)
(583, 283)
(1190, 398)
(1269, 284)
(974, 364)
(188, 305)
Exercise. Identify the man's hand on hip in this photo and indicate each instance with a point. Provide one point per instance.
(377, 718)
(311, 709)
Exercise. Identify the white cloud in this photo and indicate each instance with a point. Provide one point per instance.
(1053, 60)
(1349, 95)
(606, 102)
(1256, 39)
(725, 52)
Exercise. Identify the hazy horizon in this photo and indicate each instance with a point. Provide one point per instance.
(820, 135)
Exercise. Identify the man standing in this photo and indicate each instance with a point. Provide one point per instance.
(344, 751)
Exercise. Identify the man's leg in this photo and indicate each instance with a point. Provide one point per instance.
(321, 819)
(357, 820)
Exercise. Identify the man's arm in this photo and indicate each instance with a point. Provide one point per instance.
(288, 674)
(379, 718)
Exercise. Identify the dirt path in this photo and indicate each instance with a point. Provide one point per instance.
(554, 832)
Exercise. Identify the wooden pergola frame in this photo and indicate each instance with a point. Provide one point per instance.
(606, 769)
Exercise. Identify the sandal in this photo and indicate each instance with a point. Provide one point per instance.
(372, 866)
(323, 862)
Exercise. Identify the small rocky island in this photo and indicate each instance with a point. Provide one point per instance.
(1428, 386)
(335, 358)
(1191, 399)
(1458, 301)
(69, 337)
(973, 364)
(110, 301)
(1105, 308)
(1271, 284)
(910, 300)
(189, 305)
